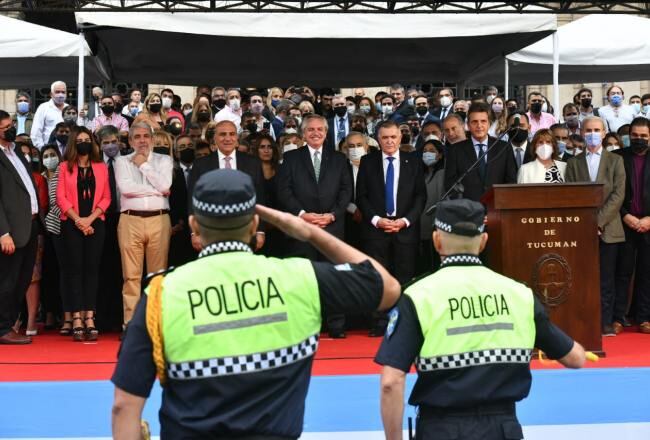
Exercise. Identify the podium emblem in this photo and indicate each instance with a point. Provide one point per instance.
(552, 279)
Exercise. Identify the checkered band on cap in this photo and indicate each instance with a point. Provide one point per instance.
(460, 259)
(225, 210)
(474, 358)
(248, 363)
(443, 226)
(225, 246)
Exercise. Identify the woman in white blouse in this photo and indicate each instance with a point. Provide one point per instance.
(546, 168)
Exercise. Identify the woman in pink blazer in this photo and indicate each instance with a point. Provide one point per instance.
(83, 195)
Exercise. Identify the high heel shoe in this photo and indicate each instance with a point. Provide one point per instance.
(66, 331)
(77, 332)
(91, 332)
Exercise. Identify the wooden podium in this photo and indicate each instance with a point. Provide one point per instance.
(545, 235)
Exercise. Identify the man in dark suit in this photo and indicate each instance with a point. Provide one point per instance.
(635, 213)
(519, 140)
(598, 165)
(316, 185)
(391, 195)
(402, 108)
(446, 101)
(227, 156)
(497, 167)
(338, 126)
(18, 230)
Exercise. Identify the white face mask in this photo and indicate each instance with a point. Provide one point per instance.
(290, 130)
(431, 137)
(544, 108)
(445, 101)
(544, 151)
(613, 147)
(351, 109)
(234, 104)
(51, 162)
(167, 102)
(356, 153)
(489, 98)
(387, 109)
(289, 147)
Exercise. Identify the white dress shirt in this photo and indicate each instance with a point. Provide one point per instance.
(352, 207)
(396, 168)
(45, 119)
(233, 159)
(593, 162)
(144, 188)
(616, 116)
(515, 149)
(24, 175)
(186, 171)
(477, 148)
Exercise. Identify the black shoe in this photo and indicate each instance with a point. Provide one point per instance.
(608, 330)
(337, 334)
(377, 332)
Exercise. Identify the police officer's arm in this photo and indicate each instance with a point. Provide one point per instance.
(554, 342)
(127, 410)
(331, 247)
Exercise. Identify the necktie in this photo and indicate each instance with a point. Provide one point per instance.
(390, 182)
(443, 113)
(482, 165)
(341, 130)
(228, 159)
(112, 185)
(519, 157)
(317, 164)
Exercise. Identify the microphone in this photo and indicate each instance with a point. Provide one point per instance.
(516, 121)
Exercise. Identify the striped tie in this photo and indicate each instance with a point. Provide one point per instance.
(317, 164)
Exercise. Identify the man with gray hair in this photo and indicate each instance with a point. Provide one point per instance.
(49, 114)
(143, 181)
(24, 117)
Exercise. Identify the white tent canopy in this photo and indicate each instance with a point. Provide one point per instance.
(594, 48)
(316, 49)
(33, 55)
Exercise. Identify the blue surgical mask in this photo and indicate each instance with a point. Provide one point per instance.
(561, 146)
(637, 107)
(378, 106)
(134, 111)
(593, 139)
(626, 140)
(616, 100)
(22, 107)
(429, 158)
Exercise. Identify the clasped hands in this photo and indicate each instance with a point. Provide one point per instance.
(640, 225)
(320, 220)
(84, 225)
(391, 226)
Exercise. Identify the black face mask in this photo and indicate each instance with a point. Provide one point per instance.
(10, 134)
(161, 150)
(536, 107)
(406, 138)
(108, 110)
(359, 128)
(585, 102)
(174, 129)
(84, 148)
(155, 108)
(415, 131)
(421, 110)
(340, 111)
(520, 136)
(187, 155)
(203, 116)
(118, 107)
(639, 146)
(62, 139)
(252, 127)
(462, 114)
(219, 103)
(512, 110)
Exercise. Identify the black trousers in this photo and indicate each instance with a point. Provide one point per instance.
(52, 281)
(109, 291)
(478, 424)
(608, 254)
(633, 254)
(83, 256)
(15, 275)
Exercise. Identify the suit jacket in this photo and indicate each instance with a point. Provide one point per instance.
(29, 120)
(278, 126)
(299, 191)
(15, 204)
(67, 195)
(411, 195)
(438, 111)
(534, 171)
(248, 164)
(611, 173)
(628, 162)
(501, 167)
(330, 140)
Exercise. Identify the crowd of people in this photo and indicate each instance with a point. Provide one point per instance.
(92, 201)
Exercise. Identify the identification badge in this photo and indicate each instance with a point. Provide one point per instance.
(393, 317)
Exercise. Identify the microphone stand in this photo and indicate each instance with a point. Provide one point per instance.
(458, 186)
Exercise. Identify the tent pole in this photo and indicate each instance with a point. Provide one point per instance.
(80, 83)
(506, 80)
(556, 75)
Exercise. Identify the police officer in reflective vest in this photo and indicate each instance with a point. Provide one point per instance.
(232, 335)
(470, 333)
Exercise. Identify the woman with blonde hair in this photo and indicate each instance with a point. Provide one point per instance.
(153, 112)
(274, 98)
(202, 113)
(499, 117)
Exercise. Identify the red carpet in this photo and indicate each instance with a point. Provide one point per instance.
(52, 357)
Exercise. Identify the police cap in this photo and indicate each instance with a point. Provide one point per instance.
(224, 193)
(460, 217)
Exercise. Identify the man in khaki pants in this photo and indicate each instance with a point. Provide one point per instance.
(143, 179)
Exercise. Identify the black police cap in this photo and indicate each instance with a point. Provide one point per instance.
(460, 217)
(224, 193)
